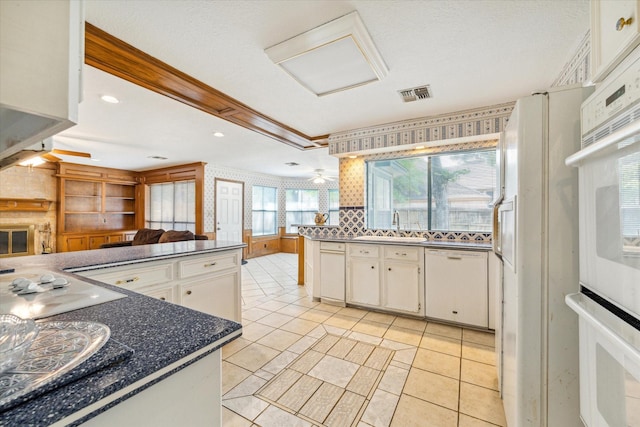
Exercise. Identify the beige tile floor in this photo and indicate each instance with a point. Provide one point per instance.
(300, 361)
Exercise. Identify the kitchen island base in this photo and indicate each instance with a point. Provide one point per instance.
(190, 397)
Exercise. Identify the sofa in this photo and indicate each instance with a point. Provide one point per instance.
(146, 236)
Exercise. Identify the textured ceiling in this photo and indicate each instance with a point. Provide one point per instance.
(472, 53)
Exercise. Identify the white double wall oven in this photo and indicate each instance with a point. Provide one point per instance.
(608, 305)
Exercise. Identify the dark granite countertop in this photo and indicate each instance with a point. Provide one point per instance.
(431, 244)
(159, 333)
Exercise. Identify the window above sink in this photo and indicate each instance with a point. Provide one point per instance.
(446, 192)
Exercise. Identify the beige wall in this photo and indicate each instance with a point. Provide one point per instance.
(31, 183)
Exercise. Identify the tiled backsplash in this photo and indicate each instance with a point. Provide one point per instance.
(352, 224)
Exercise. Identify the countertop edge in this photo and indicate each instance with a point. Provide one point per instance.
(426, 244)
(125, 393)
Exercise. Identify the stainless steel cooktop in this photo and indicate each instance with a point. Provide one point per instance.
(48, 301)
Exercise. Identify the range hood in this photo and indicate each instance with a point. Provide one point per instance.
(42, 55)
(22, 151)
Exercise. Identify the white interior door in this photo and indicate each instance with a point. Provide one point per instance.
(229, 203)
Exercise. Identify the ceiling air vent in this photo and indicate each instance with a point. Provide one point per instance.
(415, 93)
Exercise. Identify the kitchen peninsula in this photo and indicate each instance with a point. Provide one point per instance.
(445, 280)
(170, 372)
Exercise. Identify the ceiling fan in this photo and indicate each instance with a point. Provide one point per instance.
(320, 177)
(51, 156)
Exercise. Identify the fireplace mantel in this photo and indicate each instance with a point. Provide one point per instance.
(24, 205)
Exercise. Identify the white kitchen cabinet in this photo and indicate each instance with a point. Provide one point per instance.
(456, 286)
(209, 282)
(403, 281)
(363, 281)
(161, 293)
(611, 42)
(41, 45)
(332, 272)
(214, 295)
(163, 404)
(387, 277)
(311, 268)
(135, 276)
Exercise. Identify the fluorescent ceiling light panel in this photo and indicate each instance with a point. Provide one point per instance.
(335, 56)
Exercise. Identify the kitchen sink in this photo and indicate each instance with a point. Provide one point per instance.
(399, 239)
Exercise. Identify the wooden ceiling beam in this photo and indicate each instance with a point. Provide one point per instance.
(114, 56)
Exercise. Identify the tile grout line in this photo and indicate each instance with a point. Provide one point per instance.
(287, 289)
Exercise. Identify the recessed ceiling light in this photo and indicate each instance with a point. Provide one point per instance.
(110, 99)
(218, 134)
(95, 160)
(419, 147)
(353, 156)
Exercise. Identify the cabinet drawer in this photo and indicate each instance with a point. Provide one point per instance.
(208, 264)
(161, 293)
(368, 251)
(402, 253)
(332, 246)
(137, 276)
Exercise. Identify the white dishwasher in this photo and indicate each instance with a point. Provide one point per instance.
(332, 273)
(457, 286)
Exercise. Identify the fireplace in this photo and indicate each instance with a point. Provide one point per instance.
(17, 240)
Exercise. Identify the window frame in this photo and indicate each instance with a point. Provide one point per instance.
(336, 211)
(301, 212)
(169, 222)
(191, 171)
(262, 211)
(428, 225)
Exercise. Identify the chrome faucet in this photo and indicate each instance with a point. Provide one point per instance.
(396, 220)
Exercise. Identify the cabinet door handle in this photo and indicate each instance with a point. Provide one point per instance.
(620, 23)
(454, 312)
(389, 268)
(122, 282)
(401, 254)
(163, 299)
(188, 292)
(211, 264)
(364, 252)
(372, 267)
(454, 257)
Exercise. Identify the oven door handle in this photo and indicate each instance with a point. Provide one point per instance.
(579, 303)
(609, 142)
